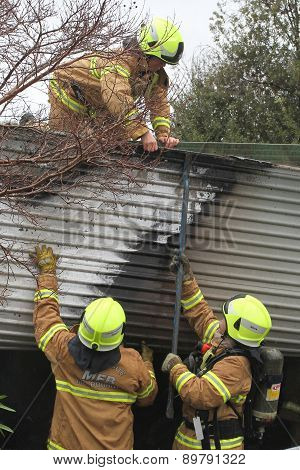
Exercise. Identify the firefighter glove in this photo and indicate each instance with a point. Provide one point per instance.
(147, 353)
(45, 259)
(175, 263)
(170, 361)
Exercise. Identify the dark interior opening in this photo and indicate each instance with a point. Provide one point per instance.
(24, 372)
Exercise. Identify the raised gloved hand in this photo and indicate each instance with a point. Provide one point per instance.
(45, 259)
(175, 263)
(170, 361)
(147, 353)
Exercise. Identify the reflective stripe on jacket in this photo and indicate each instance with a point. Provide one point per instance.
(71, 103)
(53, 446)
(99, 72)
(109, 395)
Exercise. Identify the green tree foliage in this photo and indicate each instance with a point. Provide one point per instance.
(3, 427)
(248, 88)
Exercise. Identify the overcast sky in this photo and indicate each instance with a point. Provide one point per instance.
(191, 15)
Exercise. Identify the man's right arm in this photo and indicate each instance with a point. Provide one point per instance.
(115, 89)
(197, 311)
(147, 383)
(51, 334)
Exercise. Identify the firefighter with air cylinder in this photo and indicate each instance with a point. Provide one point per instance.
(231, 382)
(229, 386)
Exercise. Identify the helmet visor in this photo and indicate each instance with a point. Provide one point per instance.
(176, 58)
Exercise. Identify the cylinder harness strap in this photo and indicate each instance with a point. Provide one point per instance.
(230, 434)
(220, 430)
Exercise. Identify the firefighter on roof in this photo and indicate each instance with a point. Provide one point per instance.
(86, 88)
(214, 398)
(97, 379)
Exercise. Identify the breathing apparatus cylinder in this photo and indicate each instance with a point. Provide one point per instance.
(262, 402)
(265, 402)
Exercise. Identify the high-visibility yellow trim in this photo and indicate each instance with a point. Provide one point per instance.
(45, 294)
(152, 374)
(161, 121)
(131, 116)
(100, 72)
(93, 68)
(183, 379)
(148, 390)
(44, 340)
(193, 443)
(120, 397)
(210, 331)
(191, 302)
(188, 441)
(214, 380)
(228, 443)
(66, 99)
(176, 366)
(151, 85)
(239, 399)
(53, 446)
(120, 70)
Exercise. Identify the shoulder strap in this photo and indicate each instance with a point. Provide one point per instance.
(216, 430)
(223, 355)
(256, 363)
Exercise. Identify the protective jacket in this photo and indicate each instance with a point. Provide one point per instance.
(229, 380)
(92, 411)
(97, 84)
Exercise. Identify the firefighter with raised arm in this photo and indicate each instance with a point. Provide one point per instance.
(100, 85)
(97, 379)
(214, 395)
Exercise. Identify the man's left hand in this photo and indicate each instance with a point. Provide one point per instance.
(45, 259)
(147, 353)
(170, 361)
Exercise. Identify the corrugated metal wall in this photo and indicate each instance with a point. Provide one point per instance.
(244, 230)
(248, 241)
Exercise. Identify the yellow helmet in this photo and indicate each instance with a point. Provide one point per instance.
(247, 319)
(102, 327)
(161, 38)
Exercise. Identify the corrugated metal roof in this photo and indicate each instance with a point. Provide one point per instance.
(244, 230)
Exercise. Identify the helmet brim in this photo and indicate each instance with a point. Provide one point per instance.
(172, 60)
